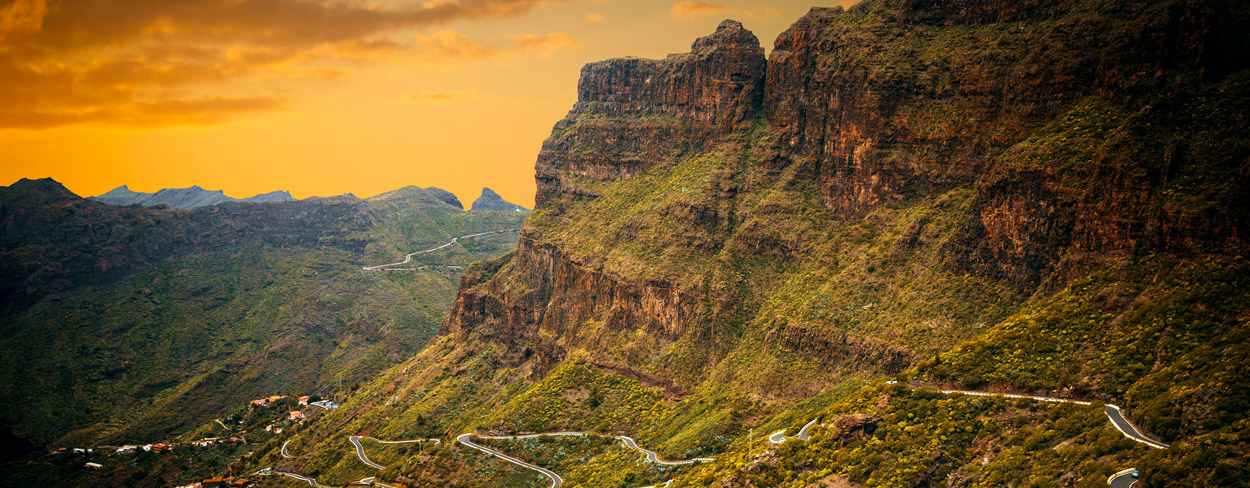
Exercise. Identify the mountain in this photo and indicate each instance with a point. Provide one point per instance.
(446, 196)
(903, 211)
(1040, 198)
(273, 196)
(182, 197)
(492, 201)
(137, 323)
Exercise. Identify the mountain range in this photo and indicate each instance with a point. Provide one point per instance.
(973, 243)
(195, 196)
(140, 322)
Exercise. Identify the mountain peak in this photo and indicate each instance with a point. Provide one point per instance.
(720, 82)
(732, 35)
(43, 189)
(492, 201)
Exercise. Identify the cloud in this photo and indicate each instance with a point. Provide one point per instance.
(448, 44)
(595, 18)
(546, 45)
(102, 61)
(685, 10)
(22, 16)
(441, 96)
(159, 113)
(690, 10)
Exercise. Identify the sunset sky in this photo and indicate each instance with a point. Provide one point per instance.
(317, 97)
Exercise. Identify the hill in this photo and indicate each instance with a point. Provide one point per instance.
(906, 209)
(137, 323)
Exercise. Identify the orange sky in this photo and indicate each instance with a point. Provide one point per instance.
(317, 97)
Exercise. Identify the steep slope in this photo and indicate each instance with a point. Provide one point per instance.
(126, 324)
(1034, 197)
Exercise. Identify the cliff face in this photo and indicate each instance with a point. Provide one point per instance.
(1040, 196)
(901, 110)
(720, 82)
(995, 138)
(633, 113)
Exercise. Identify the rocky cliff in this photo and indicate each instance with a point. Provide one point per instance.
(1035, 197)
(983, 133)
(626, 106)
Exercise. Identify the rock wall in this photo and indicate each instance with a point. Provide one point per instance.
(678, 105)
(890, 106)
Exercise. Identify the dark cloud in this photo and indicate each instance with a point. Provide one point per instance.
(97, 61)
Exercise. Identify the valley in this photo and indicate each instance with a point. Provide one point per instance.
(957, 244)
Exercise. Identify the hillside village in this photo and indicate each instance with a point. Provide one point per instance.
(277, 413)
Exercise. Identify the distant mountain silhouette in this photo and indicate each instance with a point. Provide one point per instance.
(273, 196)
(183, 197)
(492, 201)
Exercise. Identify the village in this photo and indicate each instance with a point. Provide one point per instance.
(298, 411)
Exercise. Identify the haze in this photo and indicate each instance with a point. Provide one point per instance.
(318, 98)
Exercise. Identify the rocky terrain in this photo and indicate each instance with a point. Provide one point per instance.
(984, 196)
(1045, 198)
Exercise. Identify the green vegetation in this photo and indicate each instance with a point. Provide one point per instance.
(1028, 216)
(225, 319)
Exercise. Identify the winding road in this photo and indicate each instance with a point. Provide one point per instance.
(1113, 412)
(1128, 429)
(360, 450)
(779, 436)
(803, 435)
(408, 258)
(555, 478)
(651, 456)
(1122, 479)
(311, 481)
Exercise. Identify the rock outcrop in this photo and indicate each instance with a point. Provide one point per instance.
(492, 201)
(720, 82)
(678, 105)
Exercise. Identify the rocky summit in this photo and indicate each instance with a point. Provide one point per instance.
(492, 201)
